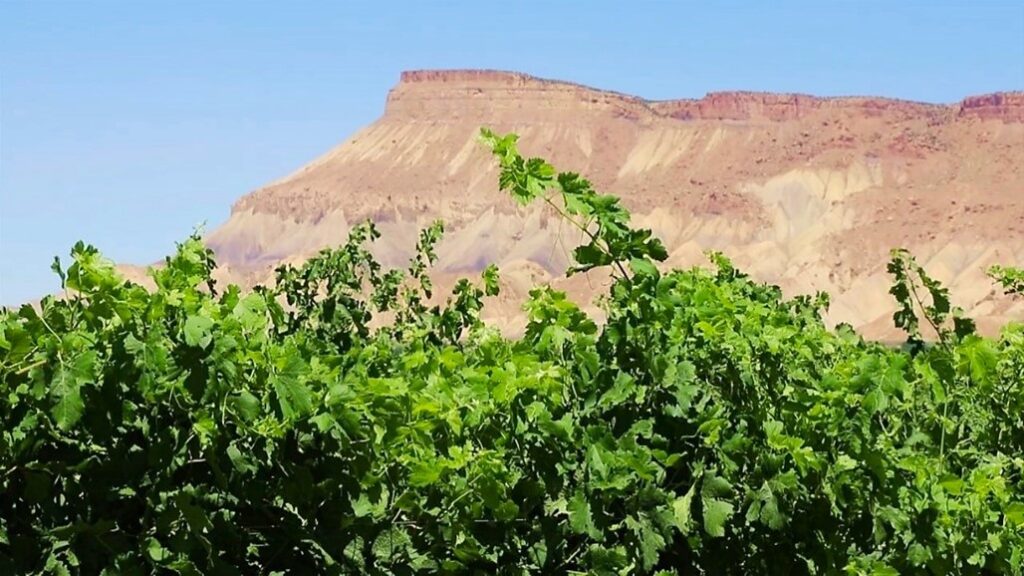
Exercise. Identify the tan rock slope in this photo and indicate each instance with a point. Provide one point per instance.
(809, 193)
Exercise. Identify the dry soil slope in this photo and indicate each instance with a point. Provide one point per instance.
(809, 193)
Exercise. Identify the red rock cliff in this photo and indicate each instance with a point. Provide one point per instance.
(457, 94)
(1006, 106)
(784, 107)
(499, 96)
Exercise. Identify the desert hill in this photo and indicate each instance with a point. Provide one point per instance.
(809, 193)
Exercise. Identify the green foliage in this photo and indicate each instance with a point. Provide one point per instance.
(1010, 278)
(600, 217)
(340, 423)
(909, 281)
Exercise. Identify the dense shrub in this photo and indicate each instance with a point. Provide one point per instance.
(709, 426)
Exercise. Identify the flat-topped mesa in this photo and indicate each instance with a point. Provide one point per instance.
(1006, 106)
(776, 107)
(496, 96)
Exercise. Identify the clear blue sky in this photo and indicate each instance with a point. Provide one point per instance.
(127, 123)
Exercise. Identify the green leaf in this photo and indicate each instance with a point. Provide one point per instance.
(1014, 513)
(391, 546)
(650, 540)
(156, 551)
(656, 250)
(363, 506)
(251, 311)
(590, 256)
(581, 520)
(246, 405)
(918, 554)
(491, 278)
(716, 514)
(55, 566)
(67, 389)
(979, 358)
(242, 462)
(642, 267)
(69, 407)
(293, 395)
(424, 474)
(716, 485)
(682, 508)
(771, 516)
(197, 331)
(596, 462)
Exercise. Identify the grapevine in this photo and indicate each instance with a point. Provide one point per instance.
(708, 426)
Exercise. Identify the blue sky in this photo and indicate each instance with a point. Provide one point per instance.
(126, 124)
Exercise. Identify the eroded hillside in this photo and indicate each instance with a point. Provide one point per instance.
(808, 193)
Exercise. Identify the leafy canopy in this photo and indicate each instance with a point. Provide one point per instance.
(343, 421)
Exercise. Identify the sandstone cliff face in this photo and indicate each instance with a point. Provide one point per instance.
(809, 193)
(1002, 106)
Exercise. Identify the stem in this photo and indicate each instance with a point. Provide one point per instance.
(945, 346)
(572, 556)
(592, 236)
(28, 368)
(942, 436)
(924, 310)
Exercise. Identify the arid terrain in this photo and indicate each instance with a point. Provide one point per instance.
(808, 193)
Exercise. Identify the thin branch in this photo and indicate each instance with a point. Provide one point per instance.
(586, 231)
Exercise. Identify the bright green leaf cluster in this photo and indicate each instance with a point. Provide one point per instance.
(1010, 278)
